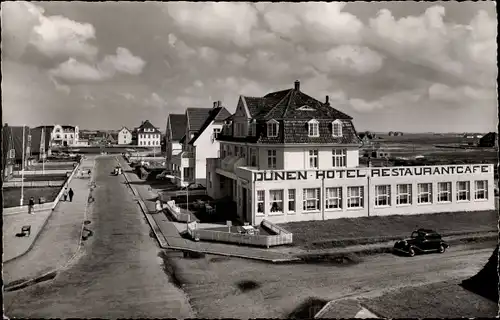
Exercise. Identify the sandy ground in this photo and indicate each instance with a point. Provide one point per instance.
(120, 273)
(281, 288)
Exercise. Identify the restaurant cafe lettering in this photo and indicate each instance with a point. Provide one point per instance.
(370, 172)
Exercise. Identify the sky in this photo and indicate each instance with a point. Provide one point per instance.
(405, 66)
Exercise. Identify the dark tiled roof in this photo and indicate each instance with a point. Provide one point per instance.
(177, 125)
(293, 109)
(196, 117)
(147, 125)
(215, 114)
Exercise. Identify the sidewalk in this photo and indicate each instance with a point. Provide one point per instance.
(55, 235)
(169, 237)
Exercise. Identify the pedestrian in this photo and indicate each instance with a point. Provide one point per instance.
(71, 193)
(89, 172)
(65, 193)
(31, 205)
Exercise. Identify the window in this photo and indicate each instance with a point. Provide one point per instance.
(463, 191)
(382, 196)
(237, 151)
(252, 128)
(337, 128)
(481, 190)
(272, 128)
(276, 201)
(311, 199)
(216, 132)
(403, 194)
(313, 128)
(444, 191)
(339, 158)
(149, 143)
(260, 201)
(210, 179)
(355, 197)
(271, 159)
(291, 200)
(253, 157)
(333, 198)
(313, 158)
(424, 193)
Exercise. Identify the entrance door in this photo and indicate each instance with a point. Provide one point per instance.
(245, 204)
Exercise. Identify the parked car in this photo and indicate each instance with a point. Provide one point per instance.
(421, 241)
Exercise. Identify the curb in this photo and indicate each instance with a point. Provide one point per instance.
(154, 226)
(51, 274)
(45, 222)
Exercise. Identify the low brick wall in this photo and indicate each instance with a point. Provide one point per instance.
(28, 184)
(283, 237)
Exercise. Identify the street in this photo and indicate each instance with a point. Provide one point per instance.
(279, 289)
(119, 273)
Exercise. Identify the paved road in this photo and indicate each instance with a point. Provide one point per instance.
(281, 288)
(119, 274)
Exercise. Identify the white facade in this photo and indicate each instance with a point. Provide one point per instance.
(149, 138)
(124, 136)
(191, 165)
(300, 195)
(65, 135)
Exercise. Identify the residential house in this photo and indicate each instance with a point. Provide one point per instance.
(148, 135)
(489, 140)
(124, 136)
(63, 135)
(199, 143)
(175, 130)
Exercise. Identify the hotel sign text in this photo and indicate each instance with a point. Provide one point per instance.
(372, 172)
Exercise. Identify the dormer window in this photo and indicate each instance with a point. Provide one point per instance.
(252, 128)
(337, 128)
(272, 128)
(313, 128)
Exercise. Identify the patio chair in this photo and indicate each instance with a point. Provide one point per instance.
(26, 230)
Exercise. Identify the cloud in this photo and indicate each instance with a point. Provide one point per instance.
(398, 100)
(127, 96)
(25, 24)
(347, 59)
(444, 93)
(224, 21)
(155, 101)
(123, 62)
(467, 52)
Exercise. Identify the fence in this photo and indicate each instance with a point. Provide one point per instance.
(283, 236)
(176, 212)
(33, 184)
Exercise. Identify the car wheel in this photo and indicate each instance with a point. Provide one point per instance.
(441, 249)
(411, 252)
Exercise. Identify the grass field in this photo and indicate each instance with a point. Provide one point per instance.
(438, 300)
(12, 196)
(364, 230)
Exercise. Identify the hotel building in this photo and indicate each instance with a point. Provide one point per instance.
(289, 157)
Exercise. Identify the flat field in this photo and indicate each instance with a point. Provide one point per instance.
(12, 196)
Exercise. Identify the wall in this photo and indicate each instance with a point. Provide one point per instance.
(124, 137)
(369, 184)
(205, 148)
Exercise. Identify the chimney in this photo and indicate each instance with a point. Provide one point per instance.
(327, 100)
(297, 85)
(219, 103)
(215, 104)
